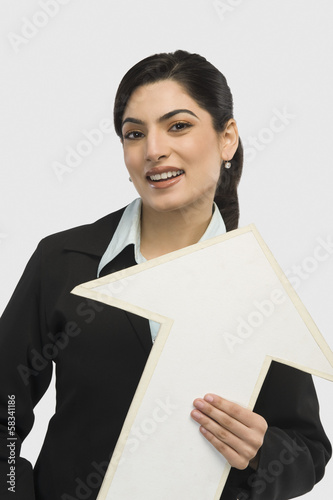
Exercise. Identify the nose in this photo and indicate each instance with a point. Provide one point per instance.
(156, 146)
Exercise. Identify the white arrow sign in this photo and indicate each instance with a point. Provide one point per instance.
(226, 311)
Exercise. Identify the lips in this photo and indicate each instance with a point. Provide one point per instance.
(164, 176)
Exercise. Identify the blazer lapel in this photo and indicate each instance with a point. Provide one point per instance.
(142, 329)
(139, 324)
(94, 240)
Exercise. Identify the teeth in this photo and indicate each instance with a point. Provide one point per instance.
(165, 175)
(155, 177)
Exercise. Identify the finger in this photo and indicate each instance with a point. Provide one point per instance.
(223, 439)
(234, 410)
(231, 455)
(237, 412)
(222, 418)
(252, 431)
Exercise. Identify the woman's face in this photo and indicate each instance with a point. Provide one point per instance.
(171, 150)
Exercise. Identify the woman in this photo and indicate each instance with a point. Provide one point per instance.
(174, 116)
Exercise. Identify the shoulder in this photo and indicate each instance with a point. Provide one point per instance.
(88, 238)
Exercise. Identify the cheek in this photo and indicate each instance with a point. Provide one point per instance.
(207, 157)
(205, 146)
(130, 159)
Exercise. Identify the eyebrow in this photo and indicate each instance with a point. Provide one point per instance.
(162, 118)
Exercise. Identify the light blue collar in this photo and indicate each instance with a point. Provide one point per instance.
(129, 229)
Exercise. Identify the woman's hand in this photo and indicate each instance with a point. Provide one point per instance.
(237, 433)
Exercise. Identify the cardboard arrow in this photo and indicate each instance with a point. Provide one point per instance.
(226, 311)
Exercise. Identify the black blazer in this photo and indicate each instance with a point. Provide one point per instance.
(99, 353)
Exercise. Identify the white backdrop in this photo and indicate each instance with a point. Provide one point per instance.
(61, 63)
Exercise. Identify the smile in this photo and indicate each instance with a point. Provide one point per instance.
(165, 175)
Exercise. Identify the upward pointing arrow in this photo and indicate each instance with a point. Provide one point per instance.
(226, 311)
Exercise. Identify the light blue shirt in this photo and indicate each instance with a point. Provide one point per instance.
(128, 232)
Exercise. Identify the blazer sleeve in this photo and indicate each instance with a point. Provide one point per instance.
(295, 449)
(25, 374)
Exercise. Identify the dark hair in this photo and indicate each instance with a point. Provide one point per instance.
(209, 88)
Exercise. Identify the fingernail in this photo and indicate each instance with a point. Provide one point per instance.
(196, 414)
(209, 398)
(199, 404)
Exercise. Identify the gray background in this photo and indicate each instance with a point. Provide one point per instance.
(60, 78)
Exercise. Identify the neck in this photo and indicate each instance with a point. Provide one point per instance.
(164, 232)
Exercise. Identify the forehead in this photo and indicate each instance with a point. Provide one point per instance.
(155, 99)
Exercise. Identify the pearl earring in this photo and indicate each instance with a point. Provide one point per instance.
(227, 164)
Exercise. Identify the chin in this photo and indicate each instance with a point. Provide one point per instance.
(172, 205)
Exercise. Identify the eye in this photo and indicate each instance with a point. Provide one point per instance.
(133, 135)
(180, 126)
